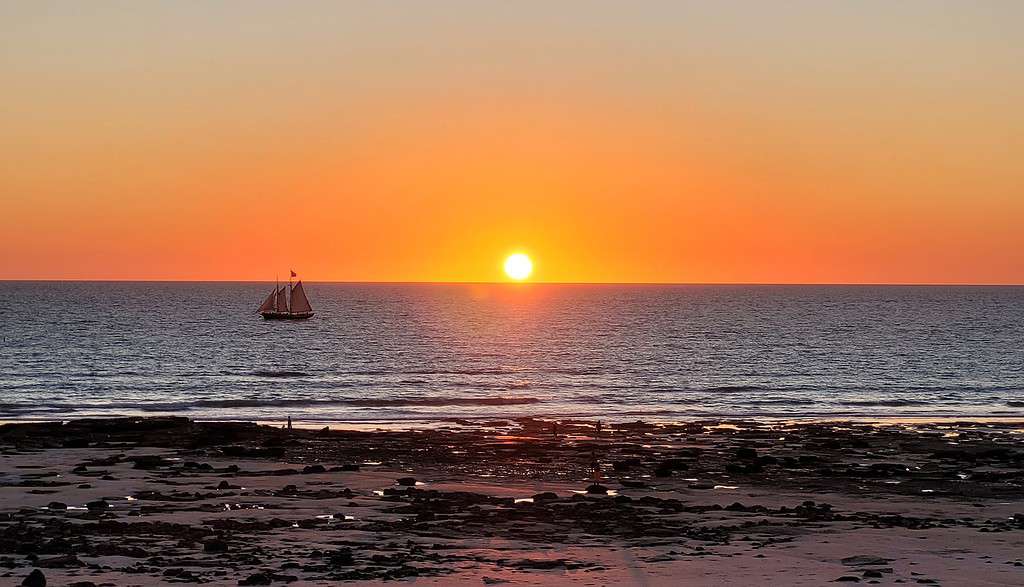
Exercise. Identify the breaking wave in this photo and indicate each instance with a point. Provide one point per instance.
(890, 403)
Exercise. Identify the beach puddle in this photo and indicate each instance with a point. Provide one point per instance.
(725, 487)
(610, 493)
(335, 517)
(242, 506)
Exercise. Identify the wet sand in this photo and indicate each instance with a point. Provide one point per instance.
(140, 501)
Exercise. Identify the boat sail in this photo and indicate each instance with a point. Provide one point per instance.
(300, 303)
(286, 303)
(282, 300)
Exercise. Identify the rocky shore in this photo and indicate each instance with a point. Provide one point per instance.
(136, 501)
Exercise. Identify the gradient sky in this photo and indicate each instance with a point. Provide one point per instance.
(670, 141)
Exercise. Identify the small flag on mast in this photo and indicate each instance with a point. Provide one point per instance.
(294, 274)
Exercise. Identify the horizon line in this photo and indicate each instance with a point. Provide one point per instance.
(526, 283)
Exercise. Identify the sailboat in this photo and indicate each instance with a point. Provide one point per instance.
(287, 303)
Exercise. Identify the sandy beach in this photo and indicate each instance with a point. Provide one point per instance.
(136, 501)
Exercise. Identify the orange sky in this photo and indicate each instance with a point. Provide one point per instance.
(613, 142)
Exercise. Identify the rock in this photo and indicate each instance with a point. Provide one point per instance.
(98, 505)
(60, 562)
(746, 453)
(702, 485)
(545, 496)
(182, 576)
(865, 561)
(223, 485)
(666, 467)
(350, 467)
(341, 557)
(272, 452)
(57, 505)
(633, 484)
(407, 481)
(627, 464)
(215, 545)
(597, 489)
(257, 579)
(312, 469)
(540, 564)
(149, 462)
(34, 579)
(848, 579)
(887, 469)
(872, 574)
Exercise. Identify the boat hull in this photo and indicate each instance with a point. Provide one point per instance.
(286, 315)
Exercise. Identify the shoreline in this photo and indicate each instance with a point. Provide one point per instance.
(147, 501)
(476, 421)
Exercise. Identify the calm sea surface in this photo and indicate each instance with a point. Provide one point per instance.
(413, 352)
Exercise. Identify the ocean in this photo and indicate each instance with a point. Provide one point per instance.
(433, 352)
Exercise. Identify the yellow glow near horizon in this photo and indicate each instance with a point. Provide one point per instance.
(518, 266)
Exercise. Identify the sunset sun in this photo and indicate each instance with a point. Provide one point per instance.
(518, 266)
